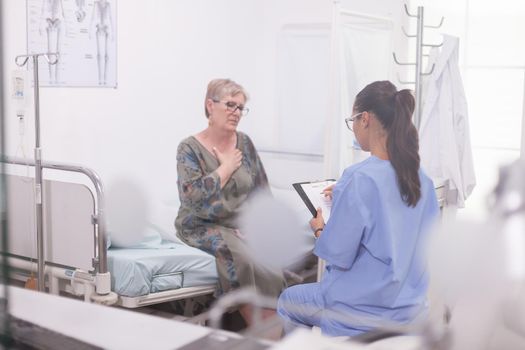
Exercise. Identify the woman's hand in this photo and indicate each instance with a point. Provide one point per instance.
(317, 223)
(328, 191)
(229, 162)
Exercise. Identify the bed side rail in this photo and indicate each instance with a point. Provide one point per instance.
(100, 261)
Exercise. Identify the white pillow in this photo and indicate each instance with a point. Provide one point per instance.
(163, 219)
(127, 213)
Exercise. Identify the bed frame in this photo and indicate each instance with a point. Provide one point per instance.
(74, 238)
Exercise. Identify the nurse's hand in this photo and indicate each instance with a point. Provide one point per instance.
(317, 223)
(327, 192)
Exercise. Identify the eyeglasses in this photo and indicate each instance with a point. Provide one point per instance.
(232, 107)
(351, 119)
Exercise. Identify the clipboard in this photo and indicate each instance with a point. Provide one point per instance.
(310, 193)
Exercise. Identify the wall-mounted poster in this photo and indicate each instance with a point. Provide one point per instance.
(83, 33)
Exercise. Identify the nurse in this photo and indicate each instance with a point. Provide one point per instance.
(381, 213)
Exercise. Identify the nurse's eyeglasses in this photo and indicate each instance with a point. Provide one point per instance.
(232, 107)
(350, 120)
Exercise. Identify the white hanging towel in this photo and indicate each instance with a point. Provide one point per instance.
(445, 150)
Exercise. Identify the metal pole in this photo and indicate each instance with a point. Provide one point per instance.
(38, 184)
(38, 163)
(419, 63)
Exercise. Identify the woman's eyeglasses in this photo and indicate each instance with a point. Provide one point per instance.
(350, 120)
(232, 107)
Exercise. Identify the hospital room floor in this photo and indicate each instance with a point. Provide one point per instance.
(174, 310)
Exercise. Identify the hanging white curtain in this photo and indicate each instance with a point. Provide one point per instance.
(361, 52)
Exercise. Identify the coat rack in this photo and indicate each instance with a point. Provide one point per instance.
(419, 58)
(21, 60)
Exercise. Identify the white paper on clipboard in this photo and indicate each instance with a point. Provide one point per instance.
(314, 198)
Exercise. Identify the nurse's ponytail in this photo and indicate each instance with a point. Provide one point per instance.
(394, 110)
(403, 146)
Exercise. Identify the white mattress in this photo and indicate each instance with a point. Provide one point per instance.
(138, 271)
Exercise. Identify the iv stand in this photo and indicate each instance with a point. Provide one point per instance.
(21, 61)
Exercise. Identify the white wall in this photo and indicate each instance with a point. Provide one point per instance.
(167, 52)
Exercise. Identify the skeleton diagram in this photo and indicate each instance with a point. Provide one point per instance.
(52, 22)
(101, 21)
(80, 13)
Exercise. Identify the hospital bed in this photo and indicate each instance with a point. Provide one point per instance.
(77, 258)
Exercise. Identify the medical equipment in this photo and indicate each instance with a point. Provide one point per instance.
(92, 255)
(419, 74)
(21, 60)
(20, 88)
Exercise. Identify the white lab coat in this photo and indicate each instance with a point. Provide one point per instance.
(445, 149)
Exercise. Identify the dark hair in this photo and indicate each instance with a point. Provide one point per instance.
(394, 110)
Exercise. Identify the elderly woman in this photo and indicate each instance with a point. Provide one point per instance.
(218, 169)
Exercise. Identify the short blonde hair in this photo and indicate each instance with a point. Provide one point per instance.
(218, 88)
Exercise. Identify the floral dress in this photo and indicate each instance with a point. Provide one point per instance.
(208, 214)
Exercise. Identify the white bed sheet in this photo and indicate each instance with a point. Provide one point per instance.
(139, 271)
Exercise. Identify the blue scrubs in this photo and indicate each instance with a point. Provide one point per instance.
(372, 244)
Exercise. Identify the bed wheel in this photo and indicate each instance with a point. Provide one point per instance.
(106, 299)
